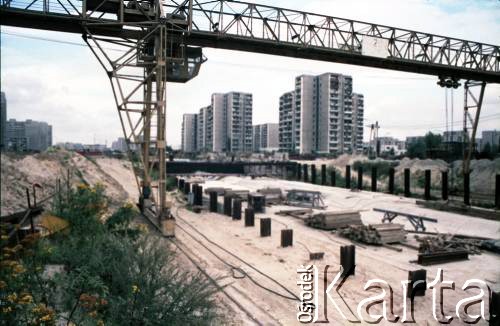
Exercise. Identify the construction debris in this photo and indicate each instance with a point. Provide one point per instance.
(305, 198)
(378, 234)
(448, 242)
(334, 220)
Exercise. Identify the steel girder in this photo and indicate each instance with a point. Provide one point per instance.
(250, 27)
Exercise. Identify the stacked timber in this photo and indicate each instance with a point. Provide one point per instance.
(334, 220)
(274, 196)
(378, 234)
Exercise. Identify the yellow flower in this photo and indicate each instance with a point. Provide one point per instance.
(26, 299)
(135, 289)
(46, 318)
(5, 237)
(100, 322)
(6, 310)
(82, 186)
(2, 284)
(18, 269)
(12, 297)
(93, 314)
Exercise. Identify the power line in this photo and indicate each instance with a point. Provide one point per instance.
(489, 117)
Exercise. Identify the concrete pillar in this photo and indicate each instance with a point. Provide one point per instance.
(444, 185)
(391, 180)
(374, 179)
(323, 174)
(417, 283)
(236, 209)
(467, 188)
(213, 201)
(228, 203)
(249, 217)
(306, 176)
(265, 227)
(286, 238)
(427, 191)
(348, 176)
(313, 173)
(299, 171)
(407, 183)
(348, 260)
(497, 192)
(333, 177)
(360, 177)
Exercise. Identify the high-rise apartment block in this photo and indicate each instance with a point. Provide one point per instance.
(266, 137)
(28, 135)
(223, 126)
(3, 121)
(321, 115)
(189, 132)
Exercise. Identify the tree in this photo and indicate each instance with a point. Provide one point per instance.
(417, 149)
(433, 141)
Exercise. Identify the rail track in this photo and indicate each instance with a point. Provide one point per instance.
(242, 279)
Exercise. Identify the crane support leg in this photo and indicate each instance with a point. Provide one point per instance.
(471, 102)
(137, 70)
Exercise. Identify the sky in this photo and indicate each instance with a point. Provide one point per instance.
(64, 85)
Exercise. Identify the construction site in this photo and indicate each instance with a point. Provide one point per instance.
(279, 242)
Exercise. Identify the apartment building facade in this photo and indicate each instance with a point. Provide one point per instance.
(223, 126)
(28, 135)
(321, 115)
(189, 132)
(3, 121)
(266, 137)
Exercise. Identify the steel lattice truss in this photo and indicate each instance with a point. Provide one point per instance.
(307, 30)
(251, 27)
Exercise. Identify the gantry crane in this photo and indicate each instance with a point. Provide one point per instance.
(143, 44)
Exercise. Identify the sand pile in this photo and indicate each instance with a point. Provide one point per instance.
(19, 172)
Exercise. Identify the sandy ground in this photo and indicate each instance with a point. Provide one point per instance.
(121, 171)
(19, 172)
(282, 263)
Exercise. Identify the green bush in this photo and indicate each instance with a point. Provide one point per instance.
(109, 277)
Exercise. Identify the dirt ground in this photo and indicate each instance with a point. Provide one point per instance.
(257, 275)
(281, 263)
